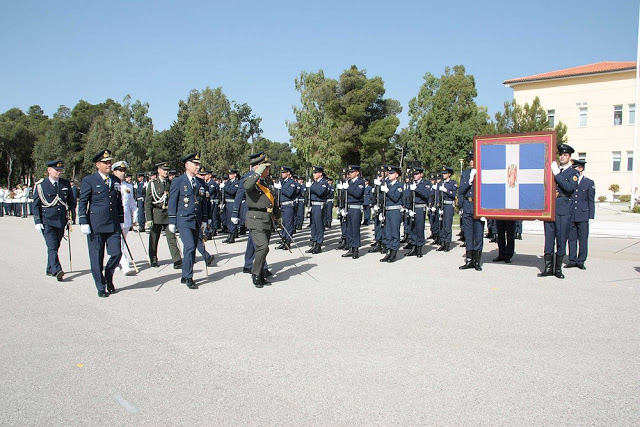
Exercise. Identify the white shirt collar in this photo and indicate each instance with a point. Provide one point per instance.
(52, 181)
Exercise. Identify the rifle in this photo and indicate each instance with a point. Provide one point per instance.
(307, 197)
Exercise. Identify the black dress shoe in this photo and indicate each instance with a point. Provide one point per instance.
(111, 289)
(582, 267)
(177, 265)
(571, 265)
(154, 264)
(507, 260)
(266, 273)
(60, 276)
(355, 254)
(498, 259)
(210, 260)
(190, 283)
(102, 294)
(183, 280)
(246, 270)
(256, 281)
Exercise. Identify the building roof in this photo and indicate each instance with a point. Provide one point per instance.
(583, 70)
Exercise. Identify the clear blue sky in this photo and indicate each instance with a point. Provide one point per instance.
(57, 53)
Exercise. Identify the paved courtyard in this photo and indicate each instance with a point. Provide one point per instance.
(332, 342)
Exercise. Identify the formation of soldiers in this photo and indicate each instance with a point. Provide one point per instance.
(198, 205)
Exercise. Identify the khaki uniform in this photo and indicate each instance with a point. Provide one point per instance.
(259, 218)
(155, 205)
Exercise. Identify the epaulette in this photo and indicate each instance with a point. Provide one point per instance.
(39, 181)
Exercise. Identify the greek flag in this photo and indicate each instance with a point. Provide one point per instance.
(512, 176)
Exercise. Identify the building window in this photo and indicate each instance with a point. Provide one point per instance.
(629, 161)
(551, 116)
(632, 114)
(583, 117)
(616, 161)
(617, 115)
(582, 156)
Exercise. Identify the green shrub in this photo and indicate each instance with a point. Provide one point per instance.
(602, 199)
(636, 209)
(625, 198)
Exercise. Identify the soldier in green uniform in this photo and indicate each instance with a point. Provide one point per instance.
(260, 214)
(155, 204)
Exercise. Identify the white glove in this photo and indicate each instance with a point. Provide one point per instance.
(413, 187)
(483, 219)
(376, 181)
(86, 229)
(376, 208)
(235, 220)
(122, 226)
(555, 168)
(461, 212)
(443, 189)
(277, 185)
(433, 209)
(209, 222)
(472, 175)
(203, 226)
(380, 217)
(384, 188)
(222, 185)
(172, 228)
(343, 212)
(39, 227)
(412, 214)
(434, 187)
(591, 220)
(308, 184)
(339, 186)
(440, 212)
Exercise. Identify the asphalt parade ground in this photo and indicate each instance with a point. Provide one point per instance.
(333, 341)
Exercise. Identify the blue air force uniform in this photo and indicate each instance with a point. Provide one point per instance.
(556, 233)
(188, 211)
(100, 207)
(53, 201)
(213, 190)
(448, 199)
(355, 199)
(584, 209)
(318, 193)
(366, 205)
(230, 191)
(288, 196)
(393, 205)
(422, 193)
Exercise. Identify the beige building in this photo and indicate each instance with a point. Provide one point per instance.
(597, 103)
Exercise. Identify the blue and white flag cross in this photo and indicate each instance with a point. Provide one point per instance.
(512, 176)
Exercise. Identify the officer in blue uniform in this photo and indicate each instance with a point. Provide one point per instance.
(101, 218)
(140, 190)
(213, 194)
(393, 190)
(53, 204)
(556, 233)
(188, 212)
(378, 211)
(421, 190)
(584, 210)
(328, 209)
(431, 208)
(406, 204)
(230, 191)
(448, 189)
(288, 191)
(318, 192)
(355, 199)
(473, 229)
(368, 202)
(437, 209)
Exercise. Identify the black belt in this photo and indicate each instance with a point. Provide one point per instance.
(261, 209)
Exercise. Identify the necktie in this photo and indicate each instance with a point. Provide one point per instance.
(106, 181)
(55, 185)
